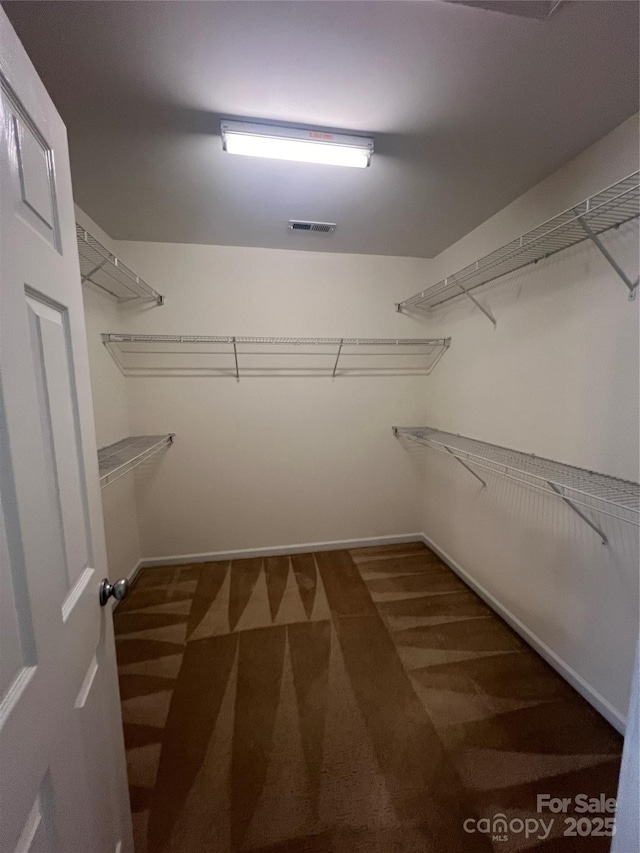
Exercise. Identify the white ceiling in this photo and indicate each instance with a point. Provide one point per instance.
(468, 108)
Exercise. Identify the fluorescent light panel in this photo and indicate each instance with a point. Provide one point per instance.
(291, 143)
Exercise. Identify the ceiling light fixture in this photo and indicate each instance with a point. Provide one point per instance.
(294, 143)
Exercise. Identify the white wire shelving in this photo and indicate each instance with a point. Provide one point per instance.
(607, 209)
(236, 356)
(584, 491)
(116, 460)
(101, 267)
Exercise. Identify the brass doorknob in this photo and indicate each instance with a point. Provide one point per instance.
(119, 590)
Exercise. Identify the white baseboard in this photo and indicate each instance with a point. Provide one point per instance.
(134, 571)
(305, 548)
(592, 696)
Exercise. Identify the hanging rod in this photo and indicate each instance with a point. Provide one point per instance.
(151, 348)
(609, 208)
(102, 268)
(116, 460)
(579, 488)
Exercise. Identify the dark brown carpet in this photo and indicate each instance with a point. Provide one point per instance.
(342, 701)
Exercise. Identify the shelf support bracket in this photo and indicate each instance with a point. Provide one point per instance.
(335, 366)
(632, 285)
(93, 272)
(235, 355)
(445, 346)
(396, 432)
(484, 310)
(464, 465)
(578, 511)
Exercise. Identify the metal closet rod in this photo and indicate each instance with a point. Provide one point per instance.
(579, 488)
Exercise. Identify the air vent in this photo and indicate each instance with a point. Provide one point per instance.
(316, 227)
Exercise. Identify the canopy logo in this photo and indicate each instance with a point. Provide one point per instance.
(499, 827)
(601, 820)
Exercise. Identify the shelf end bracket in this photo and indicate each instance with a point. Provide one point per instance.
(631, 285)
(396, 432)
(235, 355)
(335, 366)
(96, 269)
(464, 465)
(484, 310)
(578, 511)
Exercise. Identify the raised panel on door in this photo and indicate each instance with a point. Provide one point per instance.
(17, 651)
(33, 179)
(38, 833)
(82, 780)
(57, 404)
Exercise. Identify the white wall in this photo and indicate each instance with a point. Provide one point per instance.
(112, 420)
(558, 377)
(272, 461)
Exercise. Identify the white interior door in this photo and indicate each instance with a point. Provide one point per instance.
(62, 767)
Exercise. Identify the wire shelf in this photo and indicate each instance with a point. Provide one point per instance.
(116, 460)
(607, 209)
(102, 268)
(229, 355)
(578, 487)
(229, 339)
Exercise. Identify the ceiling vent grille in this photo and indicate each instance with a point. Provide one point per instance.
(315, 227)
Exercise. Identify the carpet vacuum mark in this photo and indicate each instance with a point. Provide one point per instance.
(362, 700)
